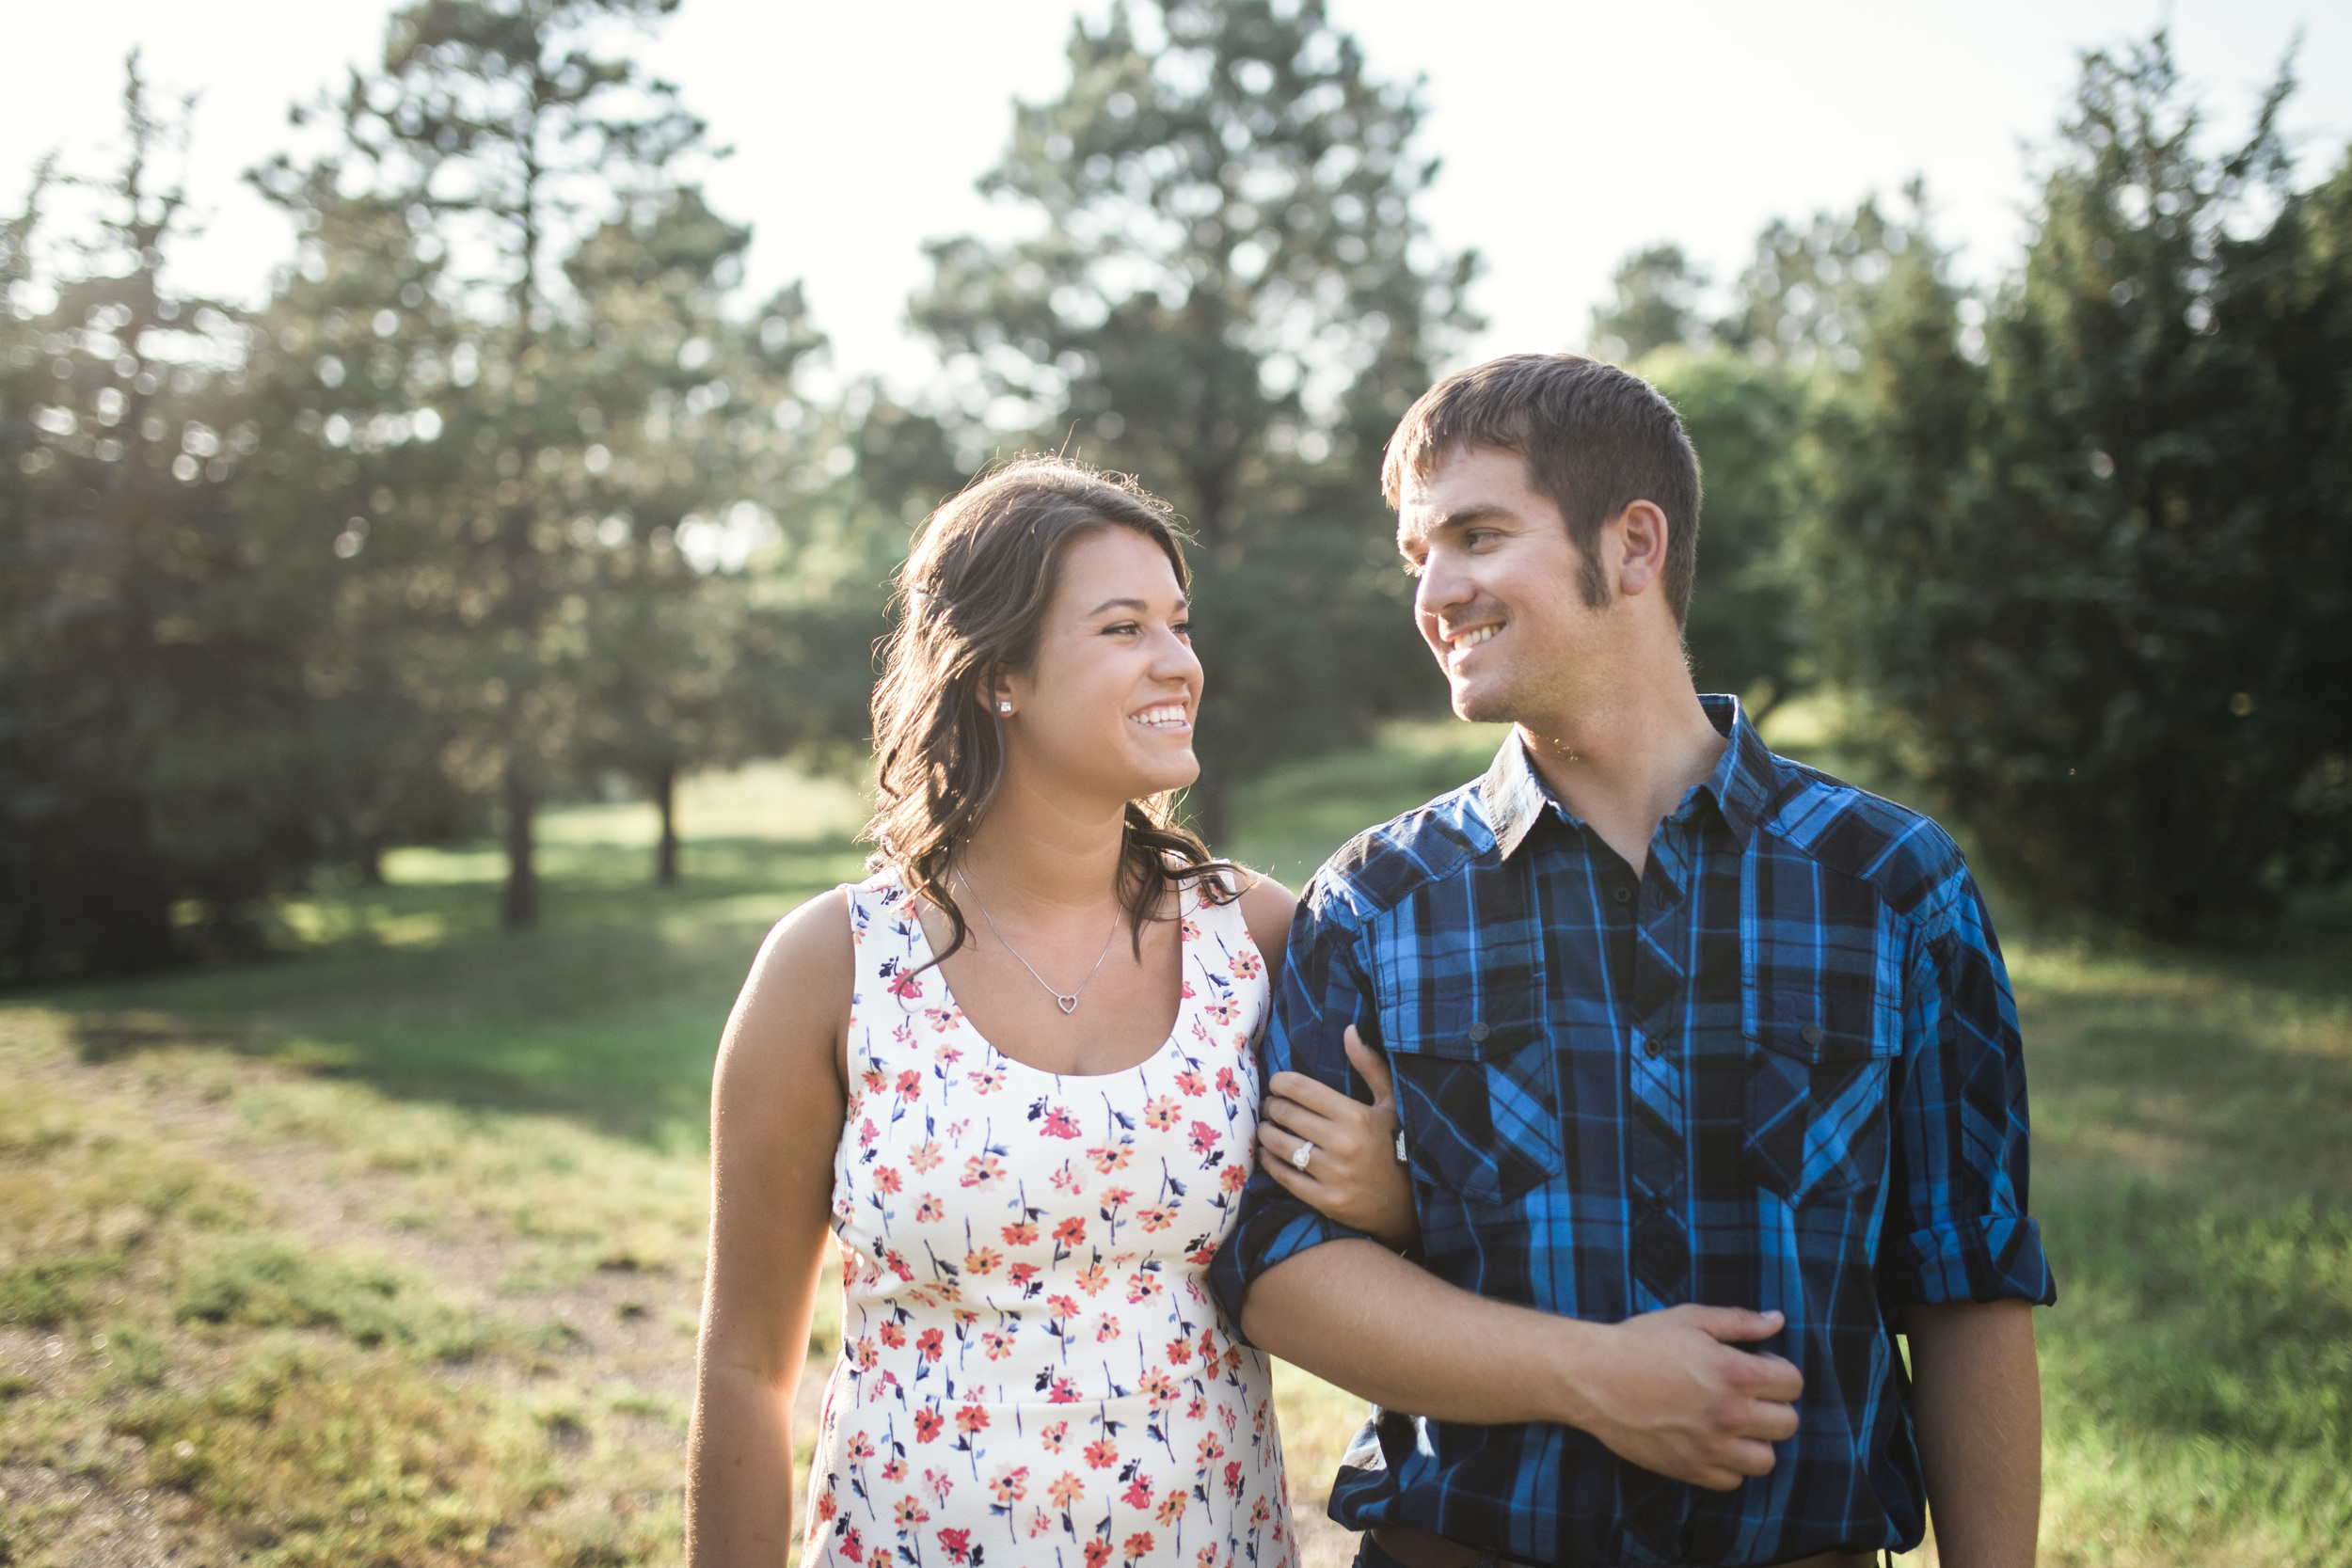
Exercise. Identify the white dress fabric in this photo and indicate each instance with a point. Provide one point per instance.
(1032, 1370)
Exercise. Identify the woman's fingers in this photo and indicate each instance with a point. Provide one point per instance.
(1323, 1118)
(1372, 1065)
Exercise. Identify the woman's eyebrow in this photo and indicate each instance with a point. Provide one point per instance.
(1138, 605)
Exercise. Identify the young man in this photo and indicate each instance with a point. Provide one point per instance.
(1707, 1065)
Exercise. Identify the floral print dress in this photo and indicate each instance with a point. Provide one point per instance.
(1032, 1370)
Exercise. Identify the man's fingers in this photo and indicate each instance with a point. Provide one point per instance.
(1771, 1420)
(1372, 1065)
(1736, 1324)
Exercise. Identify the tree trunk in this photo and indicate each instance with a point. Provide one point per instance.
(520, 910)
(665, 854)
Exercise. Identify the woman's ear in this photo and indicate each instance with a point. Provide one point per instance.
(996, 691)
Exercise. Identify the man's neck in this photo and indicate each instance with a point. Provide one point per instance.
(1624, 763)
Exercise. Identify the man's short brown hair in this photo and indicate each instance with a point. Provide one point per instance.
(1595, 439)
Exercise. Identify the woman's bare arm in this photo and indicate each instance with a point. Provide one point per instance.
(1352, 1174)
(777, 1101)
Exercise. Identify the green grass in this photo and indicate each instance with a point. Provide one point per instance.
(2191, 1176)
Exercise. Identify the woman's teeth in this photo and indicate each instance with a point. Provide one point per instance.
(1171, 718)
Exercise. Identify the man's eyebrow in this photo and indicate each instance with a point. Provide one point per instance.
(1460, 518)
(1137, 605)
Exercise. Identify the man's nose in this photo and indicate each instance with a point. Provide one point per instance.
(1441, 587)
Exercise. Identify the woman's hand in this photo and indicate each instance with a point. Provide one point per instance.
(1354, 1175)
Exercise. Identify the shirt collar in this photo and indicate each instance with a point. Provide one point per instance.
(1515, 796)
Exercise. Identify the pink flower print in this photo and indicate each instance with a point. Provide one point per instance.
(1072, 1233)
(1186, 992)
(926, 1156)
(1248, 965)
(1188, 929)
(868, 1132)
(987, 1081)
(861, 1449)
(1012, 1486)
(1063, 1392)
(938, 1484)
(947, 1055)
(892, 1335)
(1092, 1278)
(1139, 1492)
(981, 1169)
(972, 1419)
(1232, 1478)
(1097, 1553)
(1066, 1489)
(910, 1085)
(1159, 1388)
(1202, 1255)
(1054, 1437)
(1225, 1011)
(1060, 1124)
(1066, 1179)
(956, 1131)
(1161, 1113)
(1141, 1287)
(1155, 1218)
(867, 1356)
(982, 1260)
(874, 1078)
(894, 1469)
(910, 1511)
(1260, 1514)
(1211, 1451)
(887, 1180)
(1113, 1197)
(827, 1506)
(1204, 1137)
(1233, 1178)
(932, 1343)
(907, 987)
(1190, 1084)
(957, 1543)
(1205, 1558)
(1021, 1274)
(1179, 1352)
(1111, 1157)
(1227, 1084)
(1102, 1453)
(930, 1211)
(897, 1265)
(1137, 1547)
(1172, 1505)
(942, 1018)
(1195, 1408)
(1062, 1308)
(1105, 1330)
(928, 1424)
(1019, 1233)
(996, 1346)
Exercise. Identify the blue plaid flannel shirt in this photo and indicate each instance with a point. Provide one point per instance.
(1780, 1069)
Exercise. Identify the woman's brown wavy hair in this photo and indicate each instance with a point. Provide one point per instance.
(970, 601)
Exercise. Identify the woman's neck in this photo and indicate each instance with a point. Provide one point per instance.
(1042, 852)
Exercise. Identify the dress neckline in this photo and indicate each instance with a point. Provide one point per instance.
(947, 992)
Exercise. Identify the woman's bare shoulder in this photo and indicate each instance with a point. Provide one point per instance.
(794, 1006)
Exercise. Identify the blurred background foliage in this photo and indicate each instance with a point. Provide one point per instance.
(505, 498)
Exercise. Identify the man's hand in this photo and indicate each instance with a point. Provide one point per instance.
(1673, 1395)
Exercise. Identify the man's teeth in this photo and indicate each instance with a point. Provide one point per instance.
(1161, 717)
(1469, 640)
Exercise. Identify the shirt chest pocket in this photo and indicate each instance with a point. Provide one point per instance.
(1476, 1089)
(1819, 1069)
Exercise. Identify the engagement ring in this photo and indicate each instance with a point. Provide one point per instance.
(1305, 1152)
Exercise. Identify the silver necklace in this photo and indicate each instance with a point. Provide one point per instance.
(1067, 1003)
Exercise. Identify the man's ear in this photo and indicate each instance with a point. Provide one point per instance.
(1642, 530)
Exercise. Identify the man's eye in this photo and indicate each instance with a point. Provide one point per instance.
(1478, 536)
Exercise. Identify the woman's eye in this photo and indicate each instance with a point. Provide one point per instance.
(1119, 628)
(1182, 628)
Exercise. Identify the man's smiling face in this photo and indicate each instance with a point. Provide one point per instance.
(1500, 598)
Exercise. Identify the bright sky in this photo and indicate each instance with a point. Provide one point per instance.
(1571, 132)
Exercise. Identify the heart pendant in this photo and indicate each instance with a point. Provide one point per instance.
(1067, 1003)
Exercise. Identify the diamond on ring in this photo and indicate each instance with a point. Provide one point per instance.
(1305, 1152)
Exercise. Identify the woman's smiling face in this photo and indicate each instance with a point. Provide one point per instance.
(1108, 702)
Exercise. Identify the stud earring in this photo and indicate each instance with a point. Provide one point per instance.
(1004, 707)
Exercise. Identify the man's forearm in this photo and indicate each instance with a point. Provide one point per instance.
(1665, 1390)
(1977, 1391)
(1356, 1315)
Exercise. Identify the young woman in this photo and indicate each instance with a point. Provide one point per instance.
(1011, 1074)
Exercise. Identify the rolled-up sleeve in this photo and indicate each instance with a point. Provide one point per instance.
(1956, 1226)
(1322, 990)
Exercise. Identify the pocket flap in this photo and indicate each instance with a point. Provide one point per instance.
(1833, 1024)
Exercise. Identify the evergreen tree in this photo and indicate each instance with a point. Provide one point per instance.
(505, 134)
(156, 765)
(1231, 296)
(2097, 584)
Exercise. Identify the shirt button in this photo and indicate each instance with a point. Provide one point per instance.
(1810, 1034)
(1478, 1030)
(1655, 1046)
(1623, 894)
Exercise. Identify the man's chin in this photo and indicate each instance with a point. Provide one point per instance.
(1481, 704)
